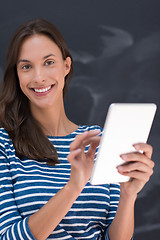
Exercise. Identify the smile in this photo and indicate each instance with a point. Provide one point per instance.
(42, 90)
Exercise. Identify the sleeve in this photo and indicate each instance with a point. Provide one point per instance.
(12, 225)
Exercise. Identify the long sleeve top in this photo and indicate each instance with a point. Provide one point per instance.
(26, 185)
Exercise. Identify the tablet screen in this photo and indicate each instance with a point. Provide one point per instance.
(126, 124)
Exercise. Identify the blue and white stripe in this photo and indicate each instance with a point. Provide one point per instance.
(26, 185)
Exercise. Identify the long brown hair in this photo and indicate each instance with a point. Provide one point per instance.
(15, 115)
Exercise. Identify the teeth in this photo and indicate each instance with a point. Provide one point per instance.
(42, 90)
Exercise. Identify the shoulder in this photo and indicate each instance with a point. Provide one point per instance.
(4, 137)
(83, 128)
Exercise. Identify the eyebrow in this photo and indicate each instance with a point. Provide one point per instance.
(22, 60)
(25, 60)
(49, 55)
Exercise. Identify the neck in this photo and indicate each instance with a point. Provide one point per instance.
(54, 121)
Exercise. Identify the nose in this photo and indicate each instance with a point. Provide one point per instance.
(39, 76)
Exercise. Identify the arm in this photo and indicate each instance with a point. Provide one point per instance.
(122, 226)
(12, 225)
(139, 168)
(44, 221)
(41, 224)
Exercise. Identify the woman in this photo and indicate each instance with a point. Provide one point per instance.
(46, 160)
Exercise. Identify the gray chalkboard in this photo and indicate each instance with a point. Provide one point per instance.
(116, 50)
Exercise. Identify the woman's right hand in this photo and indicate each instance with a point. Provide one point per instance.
(46, 219)
(81, 162)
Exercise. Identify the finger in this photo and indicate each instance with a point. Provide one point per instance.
(73, 155)
(136, 166)
(137, 157)
(92, 141)
(79, 140)
(92, 149)
(143, 176)
(146, 148)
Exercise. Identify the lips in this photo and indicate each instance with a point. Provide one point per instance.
(42, 90)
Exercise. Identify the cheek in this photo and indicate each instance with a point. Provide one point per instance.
(22, 82)
(57, 75)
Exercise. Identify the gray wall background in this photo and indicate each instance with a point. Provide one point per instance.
(116, 49)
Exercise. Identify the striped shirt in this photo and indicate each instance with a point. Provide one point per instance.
(26, 185)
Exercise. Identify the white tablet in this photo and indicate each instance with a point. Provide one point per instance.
(125, 125)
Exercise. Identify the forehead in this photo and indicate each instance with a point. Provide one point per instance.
(38, 44)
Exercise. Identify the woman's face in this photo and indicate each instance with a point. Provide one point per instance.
(41, 71)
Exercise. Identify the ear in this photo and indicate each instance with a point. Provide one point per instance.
(67, 63)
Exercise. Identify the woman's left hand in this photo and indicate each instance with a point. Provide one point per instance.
(139, 167)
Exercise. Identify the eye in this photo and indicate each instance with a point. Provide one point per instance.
(26, 67)
(49, 62)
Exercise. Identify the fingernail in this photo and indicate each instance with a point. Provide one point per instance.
(96, 131)
(119, 167)
(137, 146)
(79, 150)
(123, 156)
